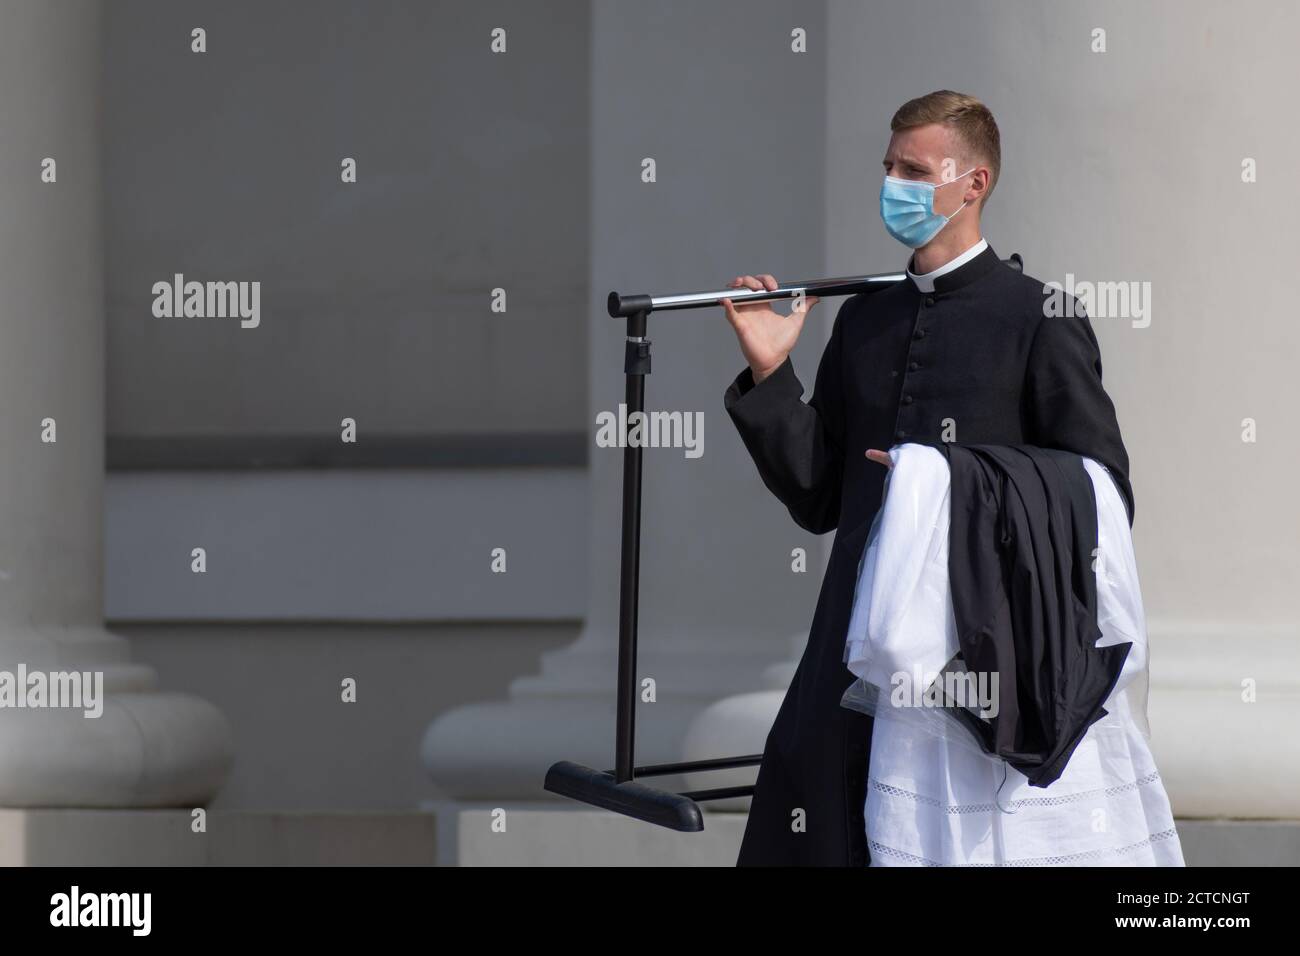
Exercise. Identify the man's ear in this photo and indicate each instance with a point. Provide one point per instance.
(987, 178)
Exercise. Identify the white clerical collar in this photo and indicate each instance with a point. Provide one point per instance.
(925, 283)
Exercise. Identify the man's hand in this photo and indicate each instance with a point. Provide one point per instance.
(766, 337)
(880, 456)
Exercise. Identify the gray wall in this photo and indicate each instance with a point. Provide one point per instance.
(472, 175)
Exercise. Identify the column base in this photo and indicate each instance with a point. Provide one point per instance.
(145, 750)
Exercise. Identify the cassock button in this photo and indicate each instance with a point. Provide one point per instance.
(929, 300)
(913, 366)
(907, 399)
(919, 334)
(900, 434)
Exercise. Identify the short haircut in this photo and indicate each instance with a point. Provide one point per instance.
(968, 118)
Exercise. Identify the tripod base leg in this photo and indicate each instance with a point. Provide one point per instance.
(662, 807)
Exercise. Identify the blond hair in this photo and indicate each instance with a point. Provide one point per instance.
(968, 118)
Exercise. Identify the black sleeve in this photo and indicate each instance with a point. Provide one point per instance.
(1066, 405)
(797, 446)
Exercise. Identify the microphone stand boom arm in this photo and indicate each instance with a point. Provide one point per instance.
(620, 305)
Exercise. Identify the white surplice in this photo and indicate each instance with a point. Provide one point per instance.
(933, 798)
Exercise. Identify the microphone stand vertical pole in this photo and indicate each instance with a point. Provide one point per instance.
(636, 366)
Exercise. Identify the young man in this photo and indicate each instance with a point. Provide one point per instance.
(963, 349)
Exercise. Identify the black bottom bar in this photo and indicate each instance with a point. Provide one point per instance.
(693, 766)
(673, 810)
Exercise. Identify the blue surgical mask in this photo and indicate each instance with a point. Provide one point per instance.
(907, 207)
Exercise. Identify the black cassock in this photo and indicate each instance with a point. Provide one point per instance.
(981, 359)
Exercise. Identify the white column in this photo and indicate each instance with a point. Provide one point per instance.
(148, 748)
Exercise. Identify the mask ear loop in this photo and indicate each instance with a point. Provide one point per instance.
(948, 219)
(955, 178)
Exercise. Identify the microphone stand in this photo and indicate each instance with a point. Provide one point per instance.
(617, 789)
